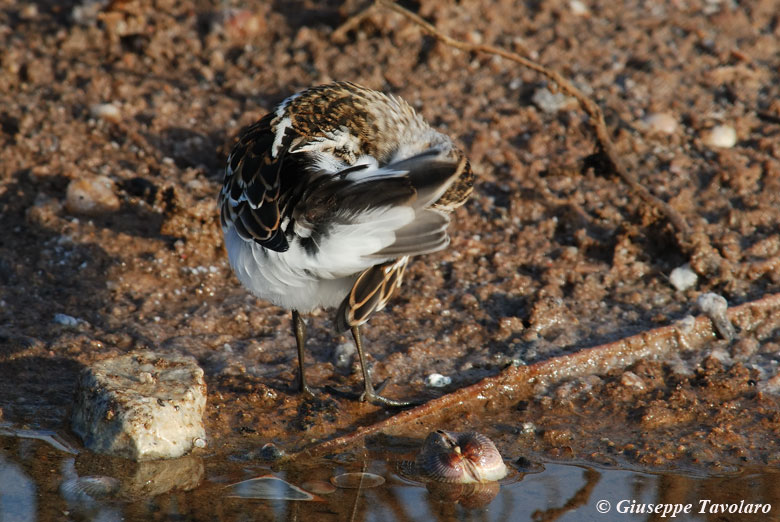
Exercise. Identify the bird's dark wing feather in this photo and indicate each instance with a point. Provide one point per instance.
(257, 185)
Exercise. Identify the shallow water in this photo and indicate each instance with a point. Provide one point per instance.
(39, 482)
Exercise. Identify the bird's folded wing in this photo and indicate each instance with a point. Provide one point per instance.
(254, 190)
(361, 196)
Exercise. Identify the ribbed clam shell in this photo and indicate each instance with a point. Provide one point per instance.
(462, 458)
(89, 489)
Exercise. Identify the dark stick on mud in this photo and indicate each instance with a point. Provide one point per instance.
(517, 383)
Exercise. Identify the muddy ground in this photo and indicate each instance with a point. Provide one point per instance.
(552, 254)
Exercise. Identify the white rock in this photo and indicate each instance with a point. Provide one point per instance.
(91, 195)
(552, 103)
(106, 111)
(715, 307)
(722, 136)
(157, 417)
(632, 380)
(65, 320)
(342, 355)
(661, 123)
(683, 278)
(437, 380)
(712, 304)
(578, 8)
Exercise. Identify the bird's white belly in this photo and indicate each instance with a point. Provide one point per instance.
(293, 279)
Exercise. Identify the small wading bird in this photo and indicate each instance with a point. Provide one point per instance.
(327, 197)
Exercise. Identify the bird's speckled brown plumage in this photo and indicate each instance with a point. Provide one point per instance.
(325, 199)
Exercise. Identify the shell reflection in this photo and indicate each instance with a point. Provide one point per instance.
(88, 490)
(471, 496)
(268, 487)
(357, 480)
(460, 458)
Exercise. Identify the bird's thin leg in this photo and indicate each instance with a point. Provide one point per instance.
(299, 328)
(370, 394)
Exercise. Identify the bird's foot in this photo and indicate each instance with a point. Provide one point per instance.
(306, 391)
(373, 396)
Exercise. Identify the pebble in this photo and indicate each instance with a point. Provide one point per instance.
(271, 452)
(117, 413)
(552, 103)
(342, 355)
(578, 8)
(437, 380)
(106, 111)
(715, 306)
(91, 195)
(632, 380)
(528, 428)
(65, 320)
(661, 122)
(722, 136)
(683, 278)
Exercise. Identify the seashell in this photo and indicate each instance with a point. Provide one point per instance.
(461, 458)
(86, 490)
(357, 480)
(268, 487)
(320, 487)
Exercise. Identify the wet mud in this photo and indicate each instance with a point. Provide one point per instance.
(133, 106)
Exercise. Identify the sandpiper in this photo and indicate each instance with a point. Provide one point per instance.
(327, 197)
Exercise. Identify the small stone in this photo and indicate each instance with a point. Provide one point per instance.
(271, 452)
(437, 380)
(687, 324)
(661, 123)
(119, 413)
(106, 111)
(632, 380)
(683, 278)
(715, 307)
(66, 320)
(578, 8)
(722, 136)
(29, 12)
(552, 102)
(91, 195)
(343, 354)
